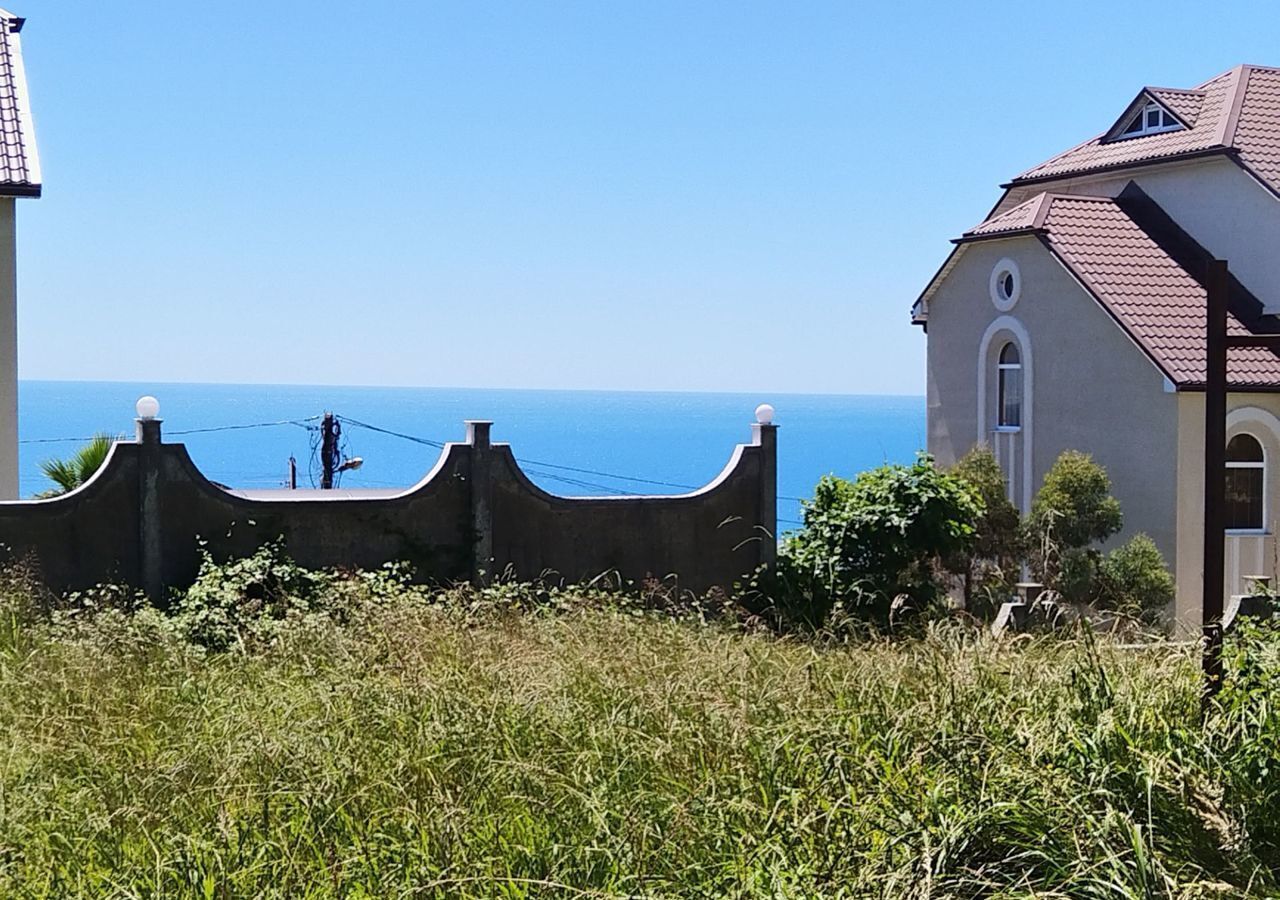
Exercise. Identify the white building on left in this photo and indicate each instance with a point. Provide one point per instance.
(19, 177)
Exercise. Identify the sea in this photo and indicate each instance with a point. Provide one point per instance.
(573, 443)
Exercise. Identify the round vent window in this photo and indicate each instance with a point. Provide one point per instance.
(1006, 284)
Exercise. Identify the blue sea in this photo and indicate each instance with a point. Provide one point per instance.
(682, 439)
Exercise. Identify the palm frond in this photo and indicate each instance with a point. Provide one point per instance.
(69, 474)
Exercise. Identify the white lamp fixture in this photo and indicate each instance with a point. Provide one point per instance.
(148, 408)
(764, 414)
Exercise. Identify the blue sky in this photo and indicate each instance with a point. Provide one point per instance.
(658, 195)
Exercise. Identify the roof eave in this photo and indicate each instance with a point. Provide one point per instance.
(1198, 387)
(1121, 167)
(996, 235)
(21, 190)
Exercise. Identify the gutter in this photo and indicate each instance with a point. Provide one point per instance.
(1230, 152)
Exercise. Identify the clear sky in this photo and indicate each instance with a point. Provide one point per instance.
(650, 195)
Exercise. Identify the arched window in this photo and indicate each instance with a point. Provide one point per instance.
(1246, 484)
(1009, 370)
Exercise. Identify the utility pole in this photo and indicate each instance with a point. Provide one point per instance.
(293, 473)
(329, 431)
(1215, 438)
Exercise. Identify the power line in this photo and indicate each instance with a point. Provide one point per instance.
(301, 423)
(439, 445)
(549, 465)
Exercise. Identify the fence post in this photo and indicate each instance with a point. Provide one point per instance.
(764, 434)
(481, 500)
(150, 527)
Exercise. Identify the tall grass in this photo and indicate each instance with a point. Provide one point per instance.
(430, 749)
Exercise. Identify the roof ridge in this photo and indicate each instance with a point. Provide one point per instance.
(1200, 92)
(1234, 100)
(1208, 81)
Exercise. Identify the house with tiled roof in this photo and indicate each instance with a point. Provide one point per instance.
(1073, 317)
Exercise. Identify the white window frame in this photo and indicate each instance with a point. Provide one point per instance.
(1001, 368)
(1266, 506)
(1146, 129)
(1005, 302)
(1003, 328)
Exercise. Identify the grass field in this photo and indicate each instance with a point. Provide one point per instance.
(425, 749)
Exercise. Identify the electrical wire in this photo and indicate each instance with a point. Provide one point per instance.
(301, 423)
(439, 445)
(549, 465)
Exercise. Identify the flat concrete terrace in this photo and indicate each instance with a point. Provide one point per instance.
(278, 494)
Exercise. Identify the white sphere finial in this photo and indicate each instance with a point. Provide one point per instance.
(148, 407)
(764, 414)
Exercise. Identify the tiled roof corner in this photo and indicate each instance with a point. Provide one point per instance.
(19, 159)
(1028, 215)
(1203, 134)
(1154, 298)
(1135, 262)
(1236, 112)
(1257, 128)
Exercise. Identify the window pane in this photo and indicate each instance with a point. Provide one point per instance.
(1009, 353)
(1244, 448)
(1153, 118)
(1134, 126)
(1244, 498)
(1010, 396)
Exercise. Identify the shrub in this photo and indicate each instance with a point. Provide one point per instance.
(867, 542)
(990, 567)
(245, 601)
(1073, 510)
(1133, 578)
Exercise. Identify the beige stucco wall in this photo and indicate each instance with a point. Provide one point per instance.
(8, 352)
(1214, 200)
(1258, 415)
(1092, 389)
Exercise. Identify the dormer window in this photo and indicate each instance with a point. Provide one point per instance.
(1151, 119)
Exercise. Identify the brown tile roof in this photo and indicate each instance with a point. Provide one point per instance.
(19, 160)
(1257, 131)
(1212, 103)
(1238, 111)
(1025, 216)
(1131, 269)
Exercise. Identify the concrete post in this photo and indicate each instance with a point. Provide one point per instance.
(481, 500)
(765, 436)
(150, 527)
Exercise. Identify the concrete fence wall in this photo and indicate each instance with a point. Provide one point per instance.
(142, 519)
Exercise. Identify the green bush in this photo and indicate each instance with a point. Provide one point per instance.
(1072, 511)
(245, 601)
(990, 567)
(1133, 578)
(868, 542)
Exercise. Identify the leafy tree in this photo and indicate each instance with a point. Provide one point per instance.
(69, 474)
(1072, 511)
(1133, 578)
(989, 568)
(865, 543)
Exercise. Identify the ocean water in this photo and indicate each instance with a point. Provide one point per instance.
(678, 438)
